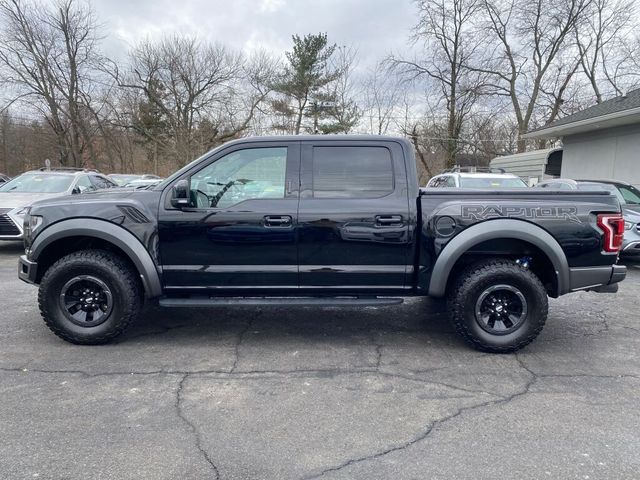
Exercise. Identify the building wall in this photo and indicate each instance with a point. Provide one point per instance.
(607, 154)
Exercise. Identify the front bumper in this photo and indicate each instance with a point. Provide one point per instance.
(631, 249)
(598, 279)
(631, 242)
(27, 270)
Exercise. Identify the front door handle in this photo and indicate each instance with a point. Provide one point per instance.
(277, 220)
(389, 220)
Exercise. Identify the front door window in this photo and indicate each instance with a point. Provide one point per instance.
(250, 174)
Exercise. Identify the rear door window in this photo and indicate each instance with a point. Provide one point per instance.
(352, 172)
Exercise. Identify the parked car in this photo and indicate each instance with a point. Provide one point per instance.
(458, 178)
(122, 179)
(329, 220)
(143, 182)
(4, 178)
(627, 194)
(18, 194)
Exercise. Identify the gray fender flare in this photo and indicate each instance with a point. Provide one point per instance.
(110, 232)
(498, 229)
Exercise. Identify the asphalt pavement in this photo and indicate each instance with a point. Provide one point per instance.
(331, 393)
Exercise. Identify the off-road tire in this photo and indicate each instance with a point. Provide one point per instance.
(466, 290)
(117, 274)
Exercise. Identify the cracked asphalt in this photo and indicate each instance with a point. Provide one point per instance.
(331, 393)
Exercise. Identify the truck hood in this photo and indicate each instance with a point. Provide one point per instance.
(23, 199)
(631, 213)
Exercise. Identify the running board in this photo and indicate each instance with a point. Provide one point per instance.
(294, 301)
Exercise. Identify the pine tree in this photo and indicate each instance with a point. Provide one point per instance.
(307, 72)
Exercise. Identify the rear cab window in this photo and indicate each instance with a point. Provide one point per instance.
(352, 172)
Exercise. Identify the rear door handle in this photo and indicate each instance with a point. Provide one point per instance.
(389, 220)
(277, 221)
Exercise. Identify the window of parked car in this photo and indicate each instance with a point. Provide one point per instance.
(101, 182)
(556, 186)
(492, 182)
(352, 172)
(122, 179)
(433, 182)
(84, 184)
(38, 183)
(630, 194)
(248, 174)
(442, 181)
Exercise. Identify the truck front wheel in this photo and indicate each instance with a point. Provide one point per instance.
(89, 297)
(498, 306)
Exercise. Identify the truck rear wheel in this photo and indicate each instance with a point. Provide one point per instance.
(498, 306)
(89, 297)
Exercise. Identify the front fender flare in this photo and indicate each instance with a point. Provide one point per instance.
(109, 232)
(498, 229)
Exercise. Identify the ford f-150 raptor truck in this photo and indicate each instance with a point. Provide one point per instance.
(318, 220)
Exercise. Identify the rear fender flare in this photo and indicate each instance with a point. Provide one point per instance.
(498, 229)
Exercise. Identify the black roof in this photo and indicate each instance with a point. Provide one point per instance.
(618, 104)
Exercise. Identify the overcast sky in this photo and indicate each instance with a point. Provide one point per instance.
(374, 27)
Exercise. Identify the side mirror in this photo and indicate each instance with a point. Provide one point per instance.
(76, 190)
(180, 194)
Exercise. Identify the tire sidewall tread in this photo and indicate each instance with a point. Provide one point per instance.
(473, 280)
(119, 276)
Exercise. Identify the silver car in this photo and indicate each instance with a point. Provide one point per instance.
(18, 194)
(629, 197)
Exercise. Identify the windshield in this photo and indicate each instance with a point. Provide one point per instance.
(491, 182)
(630, 194)
(626, 194)
(38, 183)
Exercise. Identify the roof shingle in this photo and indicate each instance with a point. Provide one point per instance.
(613, 105)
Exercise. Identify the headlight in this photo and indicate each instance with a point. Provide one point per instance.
(22, 212)
(34, 222)
(30, 225)
(628, 225)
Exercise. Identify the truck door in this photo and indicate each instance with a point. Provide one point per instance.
(239, 229)
(353, 220)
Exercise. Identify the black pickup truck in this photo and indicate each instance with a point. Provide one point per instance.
(318, 220)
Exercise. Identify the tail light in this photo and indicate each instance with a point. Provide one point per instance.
(612, 225)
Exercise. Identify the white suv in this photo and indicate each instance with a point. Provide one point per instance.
(17, 195)
(459, 179)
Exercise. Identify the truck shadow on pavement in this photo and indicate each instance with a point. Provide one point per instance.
(271, 324)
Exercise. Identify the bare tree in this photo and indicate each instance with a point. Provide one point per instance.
(600, 38)
(446, 31)
(531, 54)
(49, 54)
(382, 96)
(610, 50)
(186, 96)
(341, 113)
